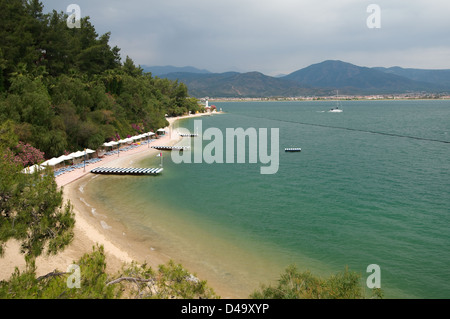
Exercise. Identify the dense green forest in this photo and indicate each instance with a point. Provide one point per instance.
(64, 89)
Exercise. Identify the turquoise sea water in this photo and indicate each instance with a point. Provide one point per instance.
(371, 186)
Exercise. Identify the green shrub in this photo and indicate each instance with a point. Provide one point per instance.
(294, 284)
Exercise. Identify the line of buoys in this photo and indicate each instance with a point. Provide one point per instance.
(353, 129)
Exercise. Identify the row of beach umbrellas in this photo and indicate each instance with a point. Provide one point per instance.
(128, 140)
(57, 160)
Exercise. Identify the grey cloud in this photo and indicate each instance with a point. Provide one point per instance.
(272, 36)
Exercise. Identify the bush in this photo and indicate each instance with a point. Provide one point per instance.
(133, 281)
(303, 285)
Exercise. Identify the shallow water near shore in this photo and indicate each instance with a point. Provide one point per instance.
(370, 186)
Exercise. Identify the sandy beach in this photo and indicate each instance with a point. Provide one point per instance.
(90, 230)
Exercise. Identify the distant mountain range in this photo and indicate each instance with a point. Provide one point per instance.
(162, 70)
(318, 79)
(234, 84)
(441, 77)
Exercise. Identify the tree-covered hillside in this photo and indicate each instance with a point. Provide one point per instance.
(64, 89)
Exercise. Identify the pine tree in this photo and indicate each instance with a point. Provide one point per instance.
(32, 211)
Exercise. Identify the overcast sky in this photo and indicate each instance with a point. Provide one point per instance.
(272, 36)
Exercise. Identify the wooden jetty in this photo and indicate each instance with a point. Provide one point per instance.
(126, 171)
(293, 149)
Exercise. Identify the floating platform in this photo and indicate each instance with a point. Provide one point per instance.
(126, 171)
(189, 135)
(293, 149)
(171, 148)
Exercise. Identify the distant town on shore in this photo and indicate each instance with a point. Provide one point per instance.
(406, 96)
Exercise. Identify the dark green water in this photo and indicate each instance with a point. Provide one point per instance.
(371, 186)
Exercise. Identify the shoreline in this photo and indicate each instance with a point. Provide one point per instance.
(119, 245)
(325, 98)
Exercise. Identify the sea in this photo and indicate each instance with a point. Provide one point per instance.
(371, 186)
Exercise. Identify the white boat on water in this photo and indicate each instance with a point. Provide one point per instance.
(336, 109)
